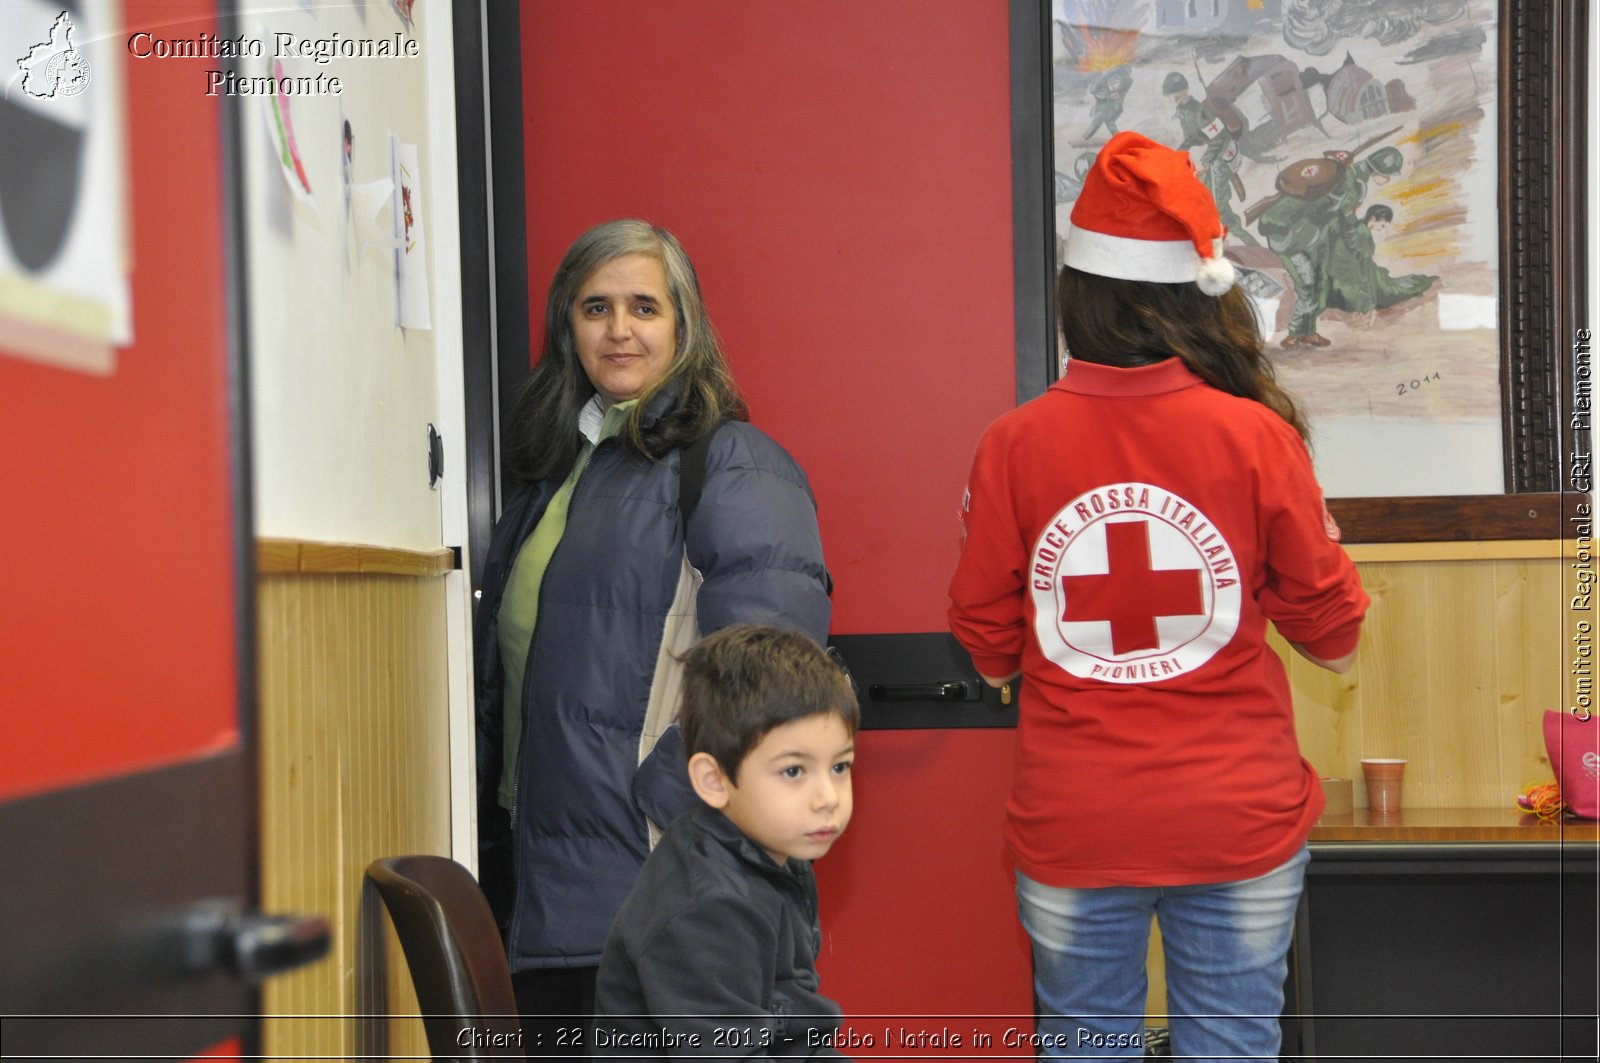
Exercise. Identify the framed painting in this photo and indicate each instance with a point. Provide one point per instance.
(1401, 181)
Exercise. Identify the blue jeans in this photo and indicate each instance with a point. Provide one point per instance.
(1226, 947)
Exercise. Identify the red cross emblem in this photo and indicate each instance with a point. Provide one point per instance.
(1131, 594)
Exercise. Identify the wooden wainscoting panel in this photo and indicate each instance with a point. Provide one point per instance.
(354, 746)
(1528, 616)
(1459, 659)
(1400, 624)
(1460, 762)
(1327, 710)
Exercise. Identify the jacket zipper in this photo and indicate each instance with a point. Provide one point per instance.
(524, 702)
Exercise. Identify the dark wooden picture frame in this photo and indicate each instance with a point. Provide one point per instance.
(1543, 272)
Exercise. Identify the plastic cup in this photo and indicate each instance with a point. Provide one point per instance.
(1384, 777)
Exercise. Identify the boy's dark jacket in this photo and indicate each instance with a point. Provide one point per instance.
(715, 937)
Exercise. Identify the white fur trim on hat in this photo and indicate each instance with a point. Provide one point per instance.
(1163, 261)
(1215, 275)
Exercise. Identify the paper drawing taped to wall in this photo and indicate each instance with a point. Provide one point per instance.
(1351, 149)
(410, 256)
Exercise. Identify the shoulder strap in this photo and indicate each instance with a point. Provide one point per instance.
(692, 475)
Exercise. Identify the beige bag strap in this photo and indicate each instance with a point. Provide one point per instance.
(666, 689)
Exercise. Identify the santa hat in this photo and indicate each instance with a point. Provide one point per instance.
(1143, 215)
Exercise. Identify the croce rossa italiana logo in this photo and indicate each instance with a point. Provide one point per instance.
(1133, 584)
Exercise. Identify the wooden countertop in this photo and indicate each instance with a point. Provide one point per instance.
(1413, 825)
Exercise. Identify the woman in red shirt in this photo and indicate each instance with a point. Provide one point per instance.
(1128, 536)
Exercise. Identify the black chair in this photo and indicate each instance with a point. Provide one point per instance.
(453, 950)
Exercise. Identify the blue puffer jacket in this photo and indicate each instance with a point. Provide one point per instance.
(578, 829)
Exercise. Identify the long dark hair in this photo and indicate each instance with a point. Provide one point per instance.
(542, 441)
(1128, 323)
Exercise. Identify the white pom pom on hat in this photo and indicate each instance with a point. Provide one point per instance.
(1143, 215)
(1214, 275)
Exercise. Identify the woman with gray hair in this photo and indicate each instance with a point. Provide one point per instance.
(602, 566)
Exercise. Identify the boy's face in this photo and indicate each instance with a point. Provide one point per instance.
(793, 795)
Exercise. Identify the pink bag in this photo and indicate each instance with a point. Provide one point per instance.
(1573, 742)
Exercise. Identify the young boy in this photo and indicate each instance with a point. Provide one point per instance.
(714, 951)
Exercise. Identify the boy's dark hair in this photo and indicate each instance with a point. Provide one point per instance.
(741, 682)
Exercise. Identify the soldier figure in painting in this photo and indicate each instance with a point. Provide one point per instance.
(1355, 281)
(1109, 92)
(1216, 170)
(1296, 228)
(1326, 249)
(1187, 112)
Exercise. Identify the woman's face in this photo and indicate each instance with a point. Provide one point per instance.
(625, 327)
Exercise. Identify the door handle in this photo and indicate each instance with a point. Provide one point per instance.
(949, 690)
(251, 945)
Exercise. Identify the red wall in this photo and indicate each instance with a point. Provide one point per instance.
(116, 614)
(840, 173)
